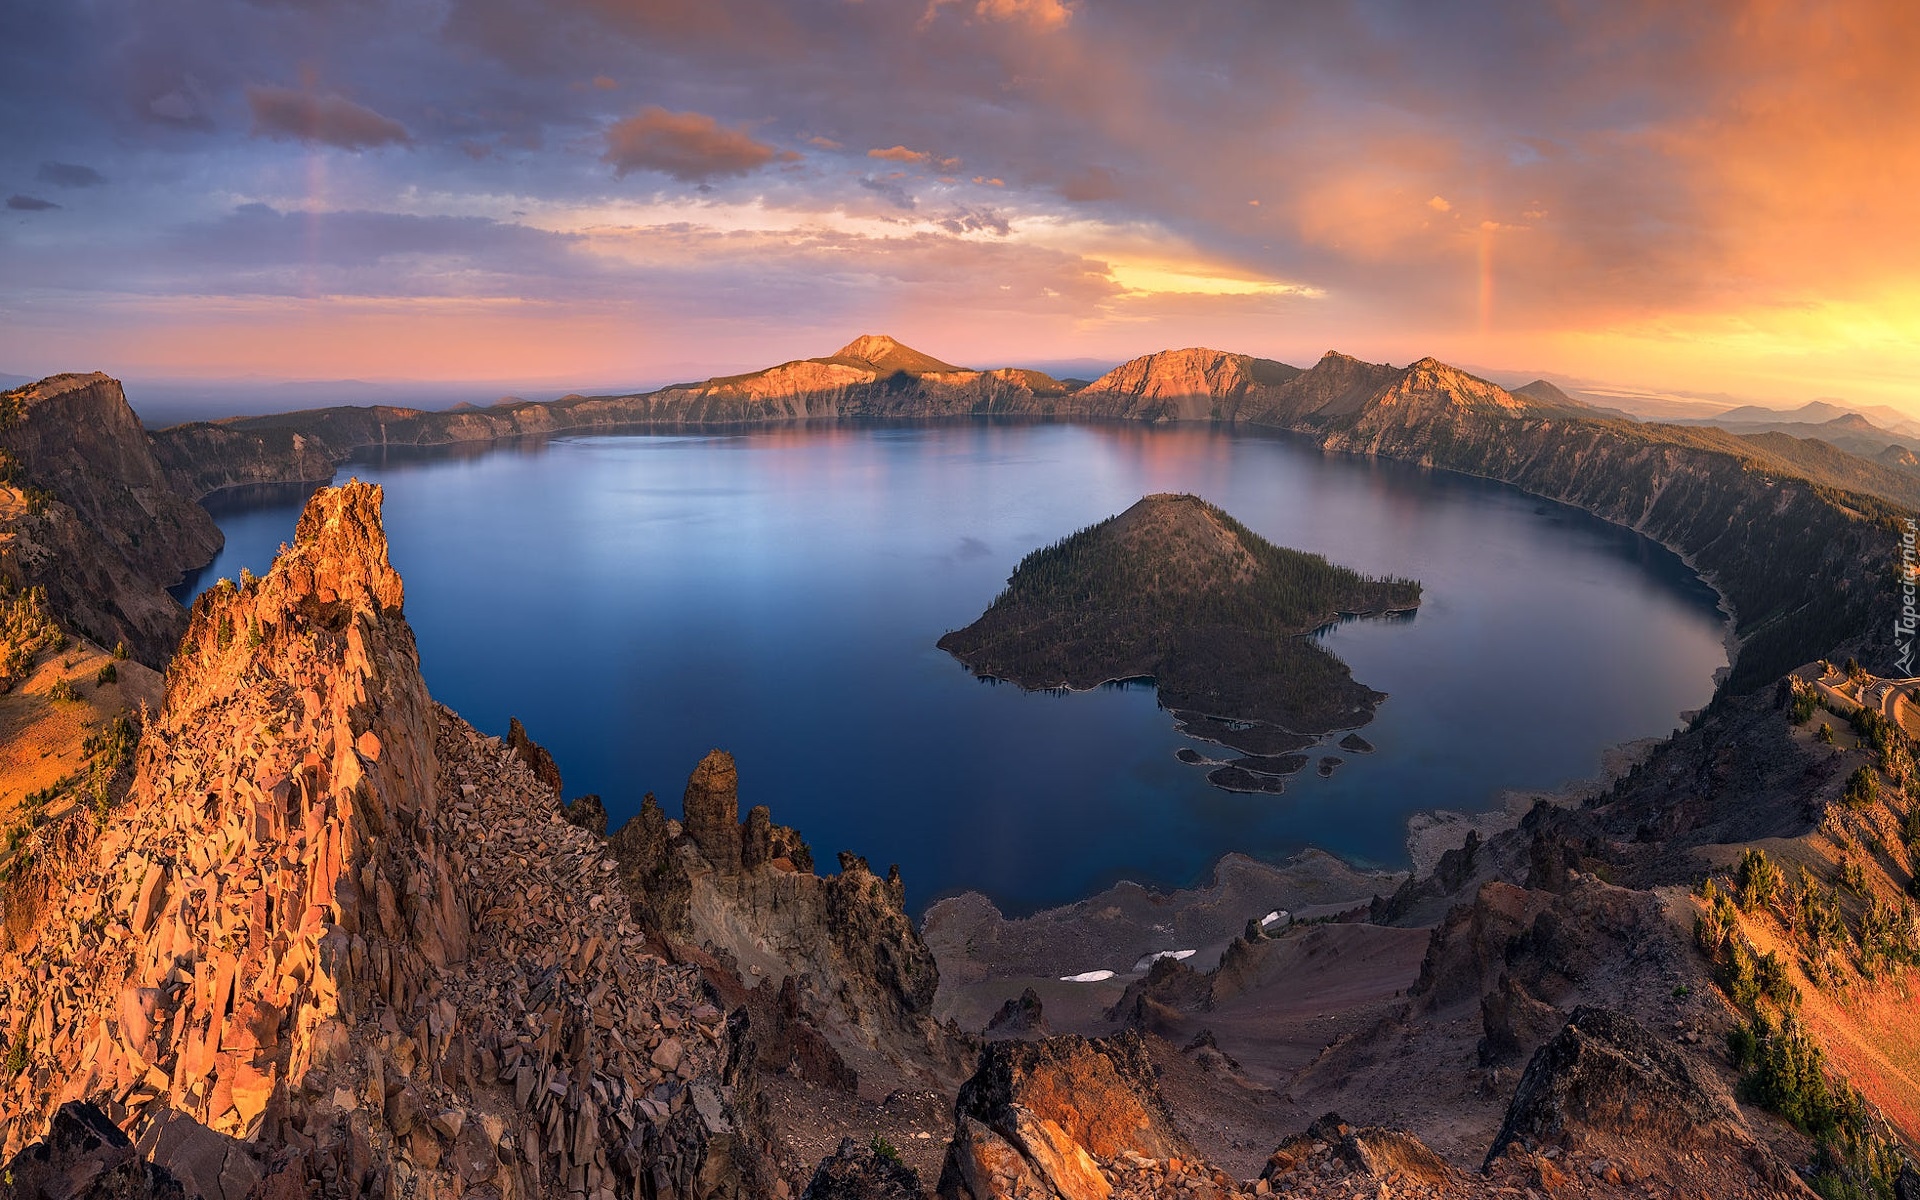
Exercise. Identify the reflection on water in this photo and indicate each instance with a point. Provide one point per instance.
(637, 600)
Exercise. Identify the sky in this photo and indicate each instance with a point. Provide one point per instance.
(1708, 199)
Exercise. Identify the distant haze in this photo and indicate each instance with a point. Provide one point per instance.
(172, 401)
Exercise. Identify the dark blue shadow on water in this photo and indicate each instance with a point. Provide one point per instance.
(638, 600)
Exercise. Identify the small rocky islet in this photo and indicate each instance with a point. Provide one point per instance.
(1176, 590)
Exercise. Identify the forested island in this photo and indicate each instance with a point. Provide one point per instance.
(1175, 590)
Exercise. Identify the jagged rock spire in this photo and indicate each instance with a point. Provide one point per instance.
(712, 807)
(333, 920)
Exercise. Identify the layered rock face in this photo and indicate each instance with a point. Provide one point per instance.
(1185, 385)
(874, 376)
(337, 941)
(87, 513)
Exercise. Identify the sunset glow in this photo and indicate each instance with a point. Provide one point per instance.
(1713, 201)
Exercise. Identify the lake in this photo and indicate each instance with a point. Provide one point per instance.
(638, 600)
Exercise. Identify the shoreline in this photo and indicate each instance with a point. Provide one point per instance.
(1433, 832)
(986, 957)
(982, 952)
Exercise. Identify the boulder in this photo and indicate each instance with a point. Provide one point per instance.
(1036, 1116)
(84, 1156)
(857, 1172)
(589, 813)
(1371, 1152)
(1605, 1072)
(1021, 1016)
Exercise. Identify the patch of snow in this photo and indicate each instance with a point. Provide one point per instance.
(1087, 977)
(1150, 959)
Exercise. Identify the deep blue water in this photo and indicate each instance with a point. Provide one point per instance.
(637, 600)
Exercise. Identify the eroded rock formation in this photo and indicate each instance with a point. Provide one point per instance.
(837, 953)
(335, 940)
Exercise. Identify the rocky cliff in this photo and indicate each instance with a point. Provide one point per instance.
(334, 941)
(874, 376)
(840, 976)
(1798, 553)
(1183, 385)
(88, 515)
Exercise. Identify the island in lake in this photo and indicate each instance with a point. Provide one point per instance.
(1175, 590)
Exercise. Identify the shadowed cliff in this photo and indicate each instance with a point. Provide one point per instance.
(88, 515)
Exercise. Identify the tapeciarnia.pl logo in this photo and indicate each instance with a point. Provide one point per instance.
(1909, 619)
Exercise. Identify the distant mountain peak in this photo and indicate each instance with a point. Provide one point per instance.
(890, 354)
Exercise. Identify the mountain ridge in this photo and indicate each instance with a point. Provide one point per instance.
(1427, 412)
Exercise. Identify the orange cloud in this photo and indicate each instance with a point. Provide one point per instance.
(688, 146)
(903, 155)
(1035, 14)
(1041, 14)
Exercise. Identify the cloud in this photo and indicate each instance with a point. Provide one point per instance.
(902, 154)
(892, 191)
(20, 203)
(1041, 14)
(689, 146)
(290, 114)
(70, 175)
(183, 106)
(1724, 184)
(976, 221)
(1035, 14)
(1089, 184)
